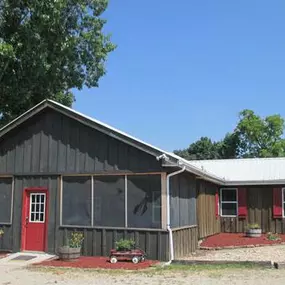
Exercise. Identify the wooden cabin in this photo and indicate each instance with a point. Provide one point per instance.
(62, 171)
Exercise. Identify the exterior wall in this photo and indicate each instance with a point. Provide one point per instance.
(99, 241)
(208, 223)
(185, 241)
(51, 143)
(260, 203)
(182, 200)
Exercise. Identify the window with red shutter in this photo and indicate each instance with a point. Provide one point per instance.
(277, 203)
(228, 202)
(242, 202)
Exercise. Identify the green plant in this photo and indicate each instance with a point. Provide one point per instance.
(253, 226)
(125, 244)
(1, 232)
(271, 236)
(76, 239)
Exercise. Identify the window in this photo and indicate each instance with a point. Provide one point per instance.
(5, 200)
(228, 202)
(132, 201)
(109, 201)
(37, 207)
(76, 201)
(143, 201)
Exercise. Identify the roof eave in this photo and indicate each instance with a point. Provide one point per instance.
(255, 182)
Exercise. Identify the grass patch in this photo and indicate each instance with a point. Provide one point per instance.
(203, 267)
(156, 269)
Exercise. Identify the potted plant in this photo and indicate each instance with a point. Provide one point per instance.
(125, 245)
(72, 250)
(253, 230)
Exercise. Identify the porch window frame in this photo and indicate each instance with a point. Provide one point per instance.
(93, 193)
(228, 202)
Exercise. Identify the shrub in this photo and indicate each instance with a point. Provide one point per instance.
(125, 244)
(76, 240)
(253, 226)
(271, 236)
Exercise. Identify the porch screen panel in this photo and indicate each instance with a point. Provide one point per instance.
(76, 201)
(144, 201)
(5, 200)
(109, 201)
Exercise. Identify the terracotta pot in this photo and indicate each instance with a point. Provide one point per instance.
(68, 253)
(253, 233)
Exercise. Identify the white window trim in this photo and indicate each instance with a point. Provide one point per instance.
(228, 202)
(44, 212)
(283, 196)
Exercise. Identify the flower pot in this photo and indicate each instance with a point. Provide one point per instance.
(253, 233)
(69, 253)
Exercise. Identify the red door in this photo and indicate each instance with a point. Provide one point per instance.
(34, 219)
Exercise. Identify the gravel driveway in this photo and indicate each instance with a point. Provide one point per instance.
(22, 276)
(266, 253)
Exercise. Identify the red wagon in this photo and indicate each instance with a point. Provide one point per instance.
(135, 255)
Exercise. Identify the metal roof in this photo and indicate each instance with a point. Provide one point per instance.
(245, 171)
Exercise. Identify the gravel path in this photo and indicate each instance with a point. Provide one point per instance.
(266, 253)
(22, 276)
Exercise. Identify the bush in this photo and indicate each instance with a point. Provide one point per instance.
(271, 236)
(253, 226)
(125, 244)
(76, 240)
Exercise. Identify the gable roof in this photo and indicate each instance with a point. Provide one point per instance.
(245, 171)
(169, 159)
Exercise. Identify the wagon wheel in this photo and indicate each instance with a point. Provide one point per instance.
(113, 259)
(135, 259)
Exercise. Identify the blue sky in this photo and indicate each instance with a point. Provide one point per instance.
(184, 69)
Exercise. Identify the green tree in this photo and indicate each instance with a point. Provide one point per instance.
(260, 137)
(253, 137)
(205, 148)
(48, 48)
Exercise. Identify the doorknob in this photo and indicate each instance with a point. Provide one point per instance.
(27, 219)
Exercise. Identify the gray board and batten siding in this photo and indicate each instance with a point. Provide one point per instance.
(52, 143)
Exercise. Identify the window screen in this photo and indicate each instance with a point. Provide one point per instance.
(109, 201)
(76, 201)
(5, 200)
(144, 202)
(229, 202)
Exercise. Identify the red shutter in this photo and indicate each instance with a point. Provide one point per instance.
(277, 202)
(217, 204)
(242, 203)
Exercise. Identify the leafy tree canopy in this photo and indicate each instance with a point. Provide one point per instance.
(260, 137)
(253, 137)
(47, 48)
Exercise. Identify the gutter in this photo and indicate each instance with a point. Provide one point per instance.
(171, 246)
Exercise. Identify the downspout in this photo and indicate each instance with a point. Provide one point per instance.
(171, 247)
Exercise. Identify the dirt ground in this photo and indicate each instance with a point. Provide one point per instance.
(24, 276)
